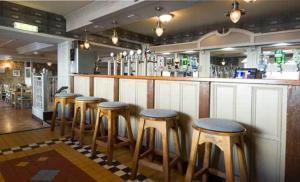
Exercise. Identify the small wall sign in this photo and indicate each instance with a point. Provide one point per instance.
(16, 73)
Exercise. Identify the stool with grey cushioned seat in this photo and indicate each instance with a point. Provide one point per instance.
(111, 110)
(161, 120)
(64, 99)
(83, 104)
(224, 134)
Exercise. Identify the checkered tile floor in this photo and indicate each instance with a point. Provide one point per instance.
(100, 158)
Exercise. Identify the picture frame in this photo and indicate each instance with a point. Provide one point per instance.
(16, 72)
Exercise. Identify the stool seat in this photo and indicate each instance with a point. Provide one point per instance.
(67, 95)
(87, 99)
(158, 113)
(219, 125)
(112, 105)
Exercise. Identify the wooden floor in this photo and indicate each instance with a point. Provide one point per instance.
(14, 120)
(122, 155)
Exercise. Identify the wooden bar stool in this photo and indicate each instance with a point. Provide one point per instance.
(224, 134)
(111, 110)
(64, 99)
(162, 121)
(83, 104)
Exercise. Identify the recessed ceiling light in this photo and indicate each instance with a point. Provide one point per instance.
(131, 15)
(228, 49)
(166, 53)
(190, 51)
(35, 52)
(250, 1)
(281, 44)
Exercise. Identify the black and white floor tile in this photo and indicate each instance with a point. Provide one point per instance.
(116, 168)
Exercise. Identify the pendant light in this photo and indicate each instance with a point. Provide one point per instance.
(115, 37)
(235, 13)
(166, 18)
(86, 44)
(159, 30)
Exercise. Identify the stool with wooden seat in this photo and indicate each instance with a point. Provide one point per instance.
(111, 110)
(224, 134)
(64, 99)
(84, 104)
(163, 121)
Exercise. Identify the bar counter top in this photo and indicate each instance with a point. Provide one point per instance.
(203, 79)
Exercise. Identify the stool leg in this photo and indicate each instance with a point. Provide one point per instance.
(92, 118)
(228, 159)
(82, 123)
(242, 160)
(97, 128)
(137, 148)
(206, 160)
(110, 140)
(74, 120)
(193, 156)
(63, 122)
(165, 146)
(152, 142)
(129, 131)
(177, 146)
(54, 115)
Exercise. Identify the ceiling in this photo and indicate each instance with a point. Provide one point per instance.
(57, 7)
(213, 12)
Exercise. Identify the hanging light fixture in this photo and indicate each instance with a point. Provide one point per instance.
(159, 30)
(86, 44)
(166, 18)
(235, 13)
(115, 37)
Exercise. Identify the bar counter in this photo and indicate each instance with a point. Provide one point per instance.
(269, 109)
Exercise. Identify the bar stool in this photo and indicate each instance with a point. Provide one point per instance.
(64, 99)
(111, 110)
(161, 120)
(83, 104)
(224, 134)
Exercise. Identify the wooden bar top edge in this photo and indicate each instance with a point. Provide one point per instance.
(201, 79)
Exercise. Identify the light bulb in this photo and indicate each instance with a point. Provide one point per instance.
(49, 63)
(159, 31)
(131, 52)
(223, 62)
(111, 54)
(86, 45)
(139, 51)
(114, 39)
(235, 15)
(165, 18)
(124, 53)
(249, 1)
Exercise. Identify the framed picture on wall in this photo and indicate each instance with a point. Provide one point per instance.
(27, 72)
(16, 72)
